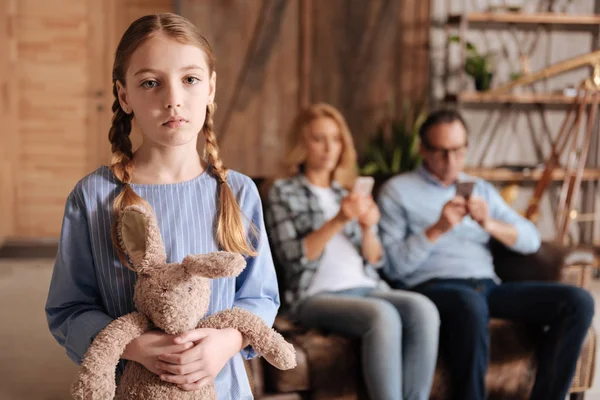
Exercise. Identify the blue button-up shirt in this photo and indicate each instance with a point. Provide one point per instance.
(90, 287)
(410, 203)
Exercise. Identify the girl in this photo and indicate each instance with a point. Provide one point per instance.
(327, 241)
(163, 78)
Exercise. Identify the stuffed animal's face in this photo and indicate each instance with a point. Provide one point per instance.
(174, 296)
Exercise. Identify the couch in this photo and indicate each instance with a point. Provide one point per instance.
(329, 364)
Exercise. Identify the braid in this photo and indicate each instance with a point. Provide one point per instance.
(230, 228)
(122, 152)
(211, 148)
(121, 165)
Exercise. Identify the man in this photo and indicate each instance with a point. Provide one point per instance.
(437, 244)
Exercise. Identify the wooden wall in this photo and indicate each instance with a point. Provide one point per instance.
(272, 56)
(354, 54)
(57, 100)
(52, 86)
(8, 133)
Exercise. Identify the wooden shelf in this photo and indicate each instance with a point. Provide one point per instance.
(524, 98)
(507, 175)
(526, 18)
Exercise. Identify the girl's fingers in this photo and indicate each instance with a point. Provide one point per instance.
(179, 369)
(184, 379)
(182, 358)
(178, 348)
(197, 385)
(192, 336)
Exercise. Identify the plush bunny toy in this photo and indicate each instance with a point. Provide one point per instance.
(174, 298)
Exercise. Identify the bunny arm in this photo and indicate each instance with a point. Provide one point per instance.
(96, 376)
(266, 341)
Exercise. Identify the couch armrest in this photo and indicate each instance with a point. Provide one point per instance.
(579, 275)
(544, 265)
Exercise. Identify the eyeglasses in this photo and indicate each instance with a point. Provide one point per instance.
(443, 152)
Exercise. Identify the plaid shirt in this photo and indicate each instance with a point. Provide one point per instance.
(293, 211)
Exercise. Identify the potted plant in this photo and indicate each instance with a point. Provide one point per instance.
(394, 148)
(478, 66)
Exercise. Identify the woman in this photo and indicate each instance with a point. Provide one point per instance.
(326, 239)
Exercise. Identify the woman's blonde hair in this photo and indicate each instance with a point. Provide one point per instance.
(230, 230)
(296, 154)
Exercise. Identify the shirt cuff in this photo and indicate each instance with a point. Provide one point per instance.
(309, 264)
(528, 240)
(420, 243)
(82, 332)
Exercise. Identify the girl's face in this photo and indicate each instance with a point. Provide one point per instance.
(168, 88)
(323, 145)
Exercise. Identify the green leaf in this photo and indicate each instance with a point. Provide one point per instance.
(396, 160)
(394, 147)
(469, 46)
(370, 169)
(381, 162)
(417, 161)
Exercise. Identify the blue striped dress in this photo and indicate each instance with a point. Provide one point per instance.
(90, 287)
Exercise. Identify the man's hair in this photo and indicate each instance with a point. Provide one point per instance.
(443, 116)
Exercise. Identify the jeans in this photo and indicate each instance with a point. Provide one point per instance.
(561, 313)
(399, 333)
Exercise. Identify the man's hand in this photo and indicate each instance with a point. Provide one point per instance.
(478, 209)
(452, 214)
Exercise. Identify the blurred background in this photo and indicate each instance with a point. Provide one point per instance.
(376, 60)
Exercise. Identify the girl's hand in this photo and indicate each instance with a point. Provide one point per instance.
(146, 349)
(196, 367)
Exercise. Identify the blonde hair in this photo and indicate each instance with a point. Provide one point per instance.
(230, 228)
(296, 154)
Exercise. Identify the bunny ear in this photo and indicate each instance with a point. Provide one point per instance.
(139, 237)
(219, 264)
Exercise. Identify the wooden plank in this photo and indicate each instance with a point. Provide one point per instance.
(8, 136)
(526, 18)
(507, 175)
(589, 59)
(99, 70)
(52, 110)
(521, 98)
(138, 8)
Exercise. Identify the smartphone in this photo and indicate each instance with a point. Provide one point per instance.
(465, 188)
(363, 185)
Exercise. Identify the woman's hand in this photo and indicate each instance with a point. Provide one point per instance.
(370, 214)
(350, 208)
